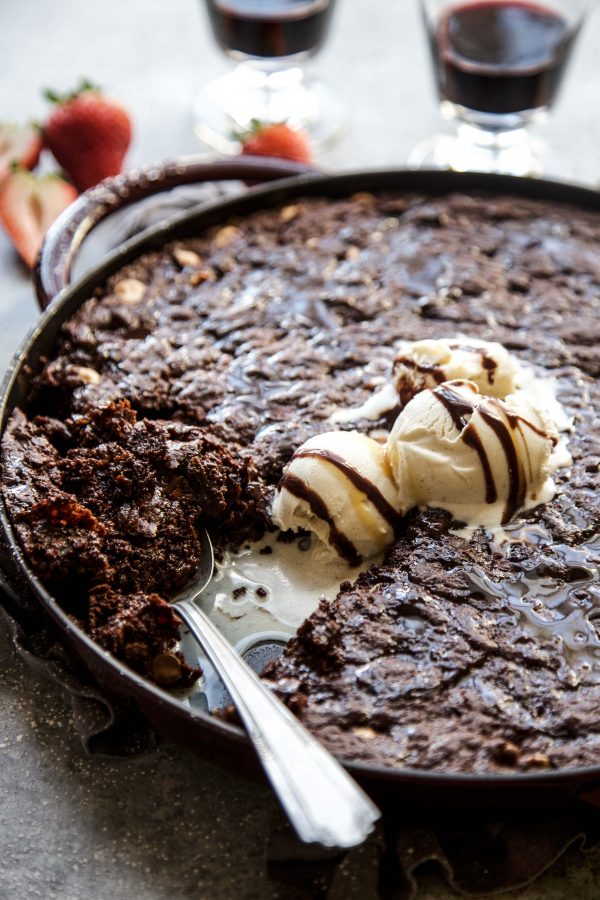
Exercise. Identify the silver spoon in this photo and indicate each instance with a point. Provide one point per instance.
(322, 801)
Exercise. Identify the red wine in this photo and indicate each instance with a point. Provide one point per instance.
(270, 28)
(501, 56)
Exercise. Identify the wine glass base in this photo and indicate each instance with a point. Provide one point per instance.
(525, 156)
(228, 105)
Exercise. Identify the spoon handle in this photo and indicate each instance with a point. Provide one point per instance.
(322, 801)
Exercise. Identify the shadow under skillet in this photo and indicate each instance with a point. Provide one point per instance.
(163, 825)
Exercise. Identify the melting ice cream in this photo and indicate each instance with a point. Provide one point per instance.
(339, 485)
(425, 364)
(477, 435)
(481, 458)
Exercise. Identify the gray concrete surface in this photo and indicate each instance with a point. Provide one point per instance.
(168, 825)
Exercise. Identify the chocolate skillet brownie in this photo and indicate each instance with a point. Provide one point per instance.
(179, 391)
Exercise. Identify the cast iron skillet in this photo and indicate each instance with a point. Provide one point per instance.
(217, 740)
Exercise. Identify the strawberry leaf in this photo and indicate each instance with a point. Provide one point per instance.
(84, 85)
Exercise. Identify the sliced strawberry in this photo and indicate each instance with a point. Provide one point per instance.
(21, 144)
(89, 134)
(277, 140)
(29, 204)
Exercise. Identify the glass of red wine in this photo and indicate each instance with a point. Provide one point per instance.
(269, 41)
(498, 67)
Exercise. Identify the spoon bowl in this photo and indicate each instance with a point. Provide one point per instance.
(204, 572)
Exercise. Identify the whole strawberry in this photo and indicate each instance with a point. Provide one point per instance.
(277, 139)
(89, 134)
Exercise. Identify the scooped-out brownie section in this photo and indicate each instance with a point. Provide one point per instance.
(107, 508)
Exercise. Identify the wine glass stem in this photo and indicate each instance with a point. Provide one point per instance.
(280, 90)
(493, 139)
(509, 150)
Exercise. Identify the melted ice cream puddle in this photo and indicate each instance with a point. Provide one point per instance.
(258, 600)
(255, 591)
(375, 407)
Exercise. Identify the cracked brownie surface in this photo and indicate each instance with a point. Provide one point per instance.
(179, 391)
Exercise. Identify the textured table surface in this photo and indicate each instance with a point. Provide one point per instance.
(168, 825)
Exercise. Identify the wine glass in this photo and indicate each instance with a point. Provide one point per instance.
(498, 66)
(270, 41)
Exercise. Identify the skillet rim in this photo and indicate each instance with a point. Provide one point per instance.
(44, 334)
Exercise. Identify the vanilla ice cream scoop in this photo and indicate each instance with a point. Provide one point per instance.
(339, 486)
(480, 458)
(425, 364)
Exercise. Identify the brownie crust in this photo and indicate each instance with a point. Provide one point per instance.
(180, 390)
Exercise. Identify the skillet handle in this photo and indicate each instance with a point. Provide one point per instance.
(65, 236)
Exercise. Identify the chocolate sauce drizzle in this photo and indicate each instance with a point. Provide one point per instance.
(337, 539)
(364, 485)
(517, 421)
(299, 488)
(490, 365)
(472, 439)
(456, 405)
(516, 474)
(436, 372)
(487, 362)
(503, 423)
(407, 388)
(459, 408)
